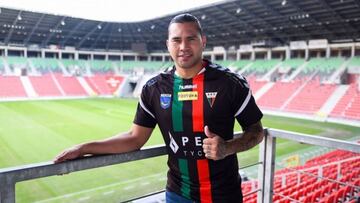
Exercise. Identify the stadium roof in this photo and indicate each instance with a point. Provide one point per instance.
(107, 10)
(226, 23)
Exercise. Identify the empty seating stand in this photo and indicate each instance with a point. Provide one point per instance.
(104, 84)
(11, 86)
(307, 187)
(45, 85)
(70, 85)
(349, 105)
(311, 98)
(93, 76)
(276, 97)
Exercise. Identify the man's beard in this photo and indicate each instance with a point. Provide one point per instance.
(189, 64)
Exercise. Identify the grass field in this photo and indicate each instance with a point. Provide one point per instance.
(35, 131)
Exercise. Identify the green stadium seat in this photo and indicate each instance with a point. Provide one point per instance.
(354, 62)
(324, 65)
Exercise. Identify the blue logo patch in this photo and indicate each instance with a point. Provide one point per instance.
(165, 100)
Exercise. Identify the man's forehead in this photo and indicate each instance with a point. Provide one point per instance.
(183, 29)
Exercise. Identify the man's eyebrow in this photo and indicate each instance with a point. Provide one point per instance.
(190, 36)
(175, 38)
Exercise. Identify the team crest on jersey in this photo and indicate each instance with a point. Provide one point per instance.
(211, 97)
(165, 100)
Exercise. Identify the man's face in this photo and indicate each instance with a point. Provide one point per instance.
(185, 44)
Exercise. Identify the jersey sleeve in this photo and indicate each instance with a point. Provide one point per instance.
(246, 110)
(144, 114)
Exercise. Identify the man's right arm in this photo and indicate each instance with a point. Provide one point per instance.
(124, 142)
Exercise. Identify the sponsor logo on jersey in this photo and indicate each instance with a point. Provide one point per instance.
(187, 147)
(187, 96)
(211, 97)
(165, 100)
(174, 147)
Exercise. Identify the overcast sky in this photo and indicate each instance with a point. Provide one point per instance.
(107, 10)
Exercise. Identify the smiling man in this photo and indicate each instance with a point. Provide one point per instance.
(195, 103)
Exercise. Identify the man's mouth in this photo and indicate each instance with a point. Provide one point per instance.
(184, 56)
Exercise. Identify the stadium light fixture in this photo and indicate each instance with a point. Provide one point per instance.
(99, 27)
(203, 17)
(283, 3)
(62, 22)
(19, 17)
(238, 10)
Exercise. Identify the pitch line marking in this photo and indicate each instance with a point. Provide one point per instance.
(98, 188)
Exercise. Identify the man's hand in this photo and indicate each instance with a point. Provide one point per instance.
(214, 146)
(68, 154)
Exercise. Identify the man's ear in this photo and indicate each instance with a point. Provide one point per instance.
(203, 41)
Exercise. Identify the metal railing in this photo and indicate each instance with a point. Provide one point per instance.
(10, 176)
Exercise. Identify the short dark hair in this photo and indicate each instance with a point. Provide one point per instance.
(187, 18)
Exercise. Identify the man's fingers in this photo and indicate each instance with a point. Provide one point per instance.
(60, 158)
(208, 133)
(206, 141)
(65, 155)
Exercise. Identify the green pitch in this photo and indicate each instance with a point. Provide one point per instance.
(36, 131)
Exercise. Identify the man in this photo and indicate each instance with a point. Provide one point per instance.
(195, 104)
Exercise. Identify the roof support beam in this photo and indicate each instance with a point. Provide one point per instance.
(75, 29)
(26, 40)
(52, 33)
(8, 37)
(100, 35)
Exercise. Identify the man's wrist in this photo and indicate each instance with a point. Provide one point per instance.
(81, 149)
(228, 148)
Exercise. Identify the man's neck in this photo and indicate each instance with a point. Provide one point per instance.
(189, 72)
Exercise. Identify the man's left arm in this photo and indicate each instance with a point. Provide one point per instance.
(252, 136)
(216, 148)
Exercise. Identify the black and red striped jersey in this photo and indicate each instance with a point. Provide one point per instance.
(182, 107)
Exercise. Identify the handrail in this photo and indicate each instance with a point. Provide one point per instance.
(10, 176)
(34, 171)
(316, 140)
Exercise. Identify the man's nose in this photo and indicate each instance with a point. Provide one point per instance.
(184, 45)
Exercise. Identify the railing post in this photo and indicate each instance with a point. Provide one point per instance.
(261, 169)
(269, 168)
(7, 190)
(266, 169)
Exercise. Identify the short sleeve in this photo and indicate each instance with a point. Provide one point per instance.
(144, 114)
(246, 110)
